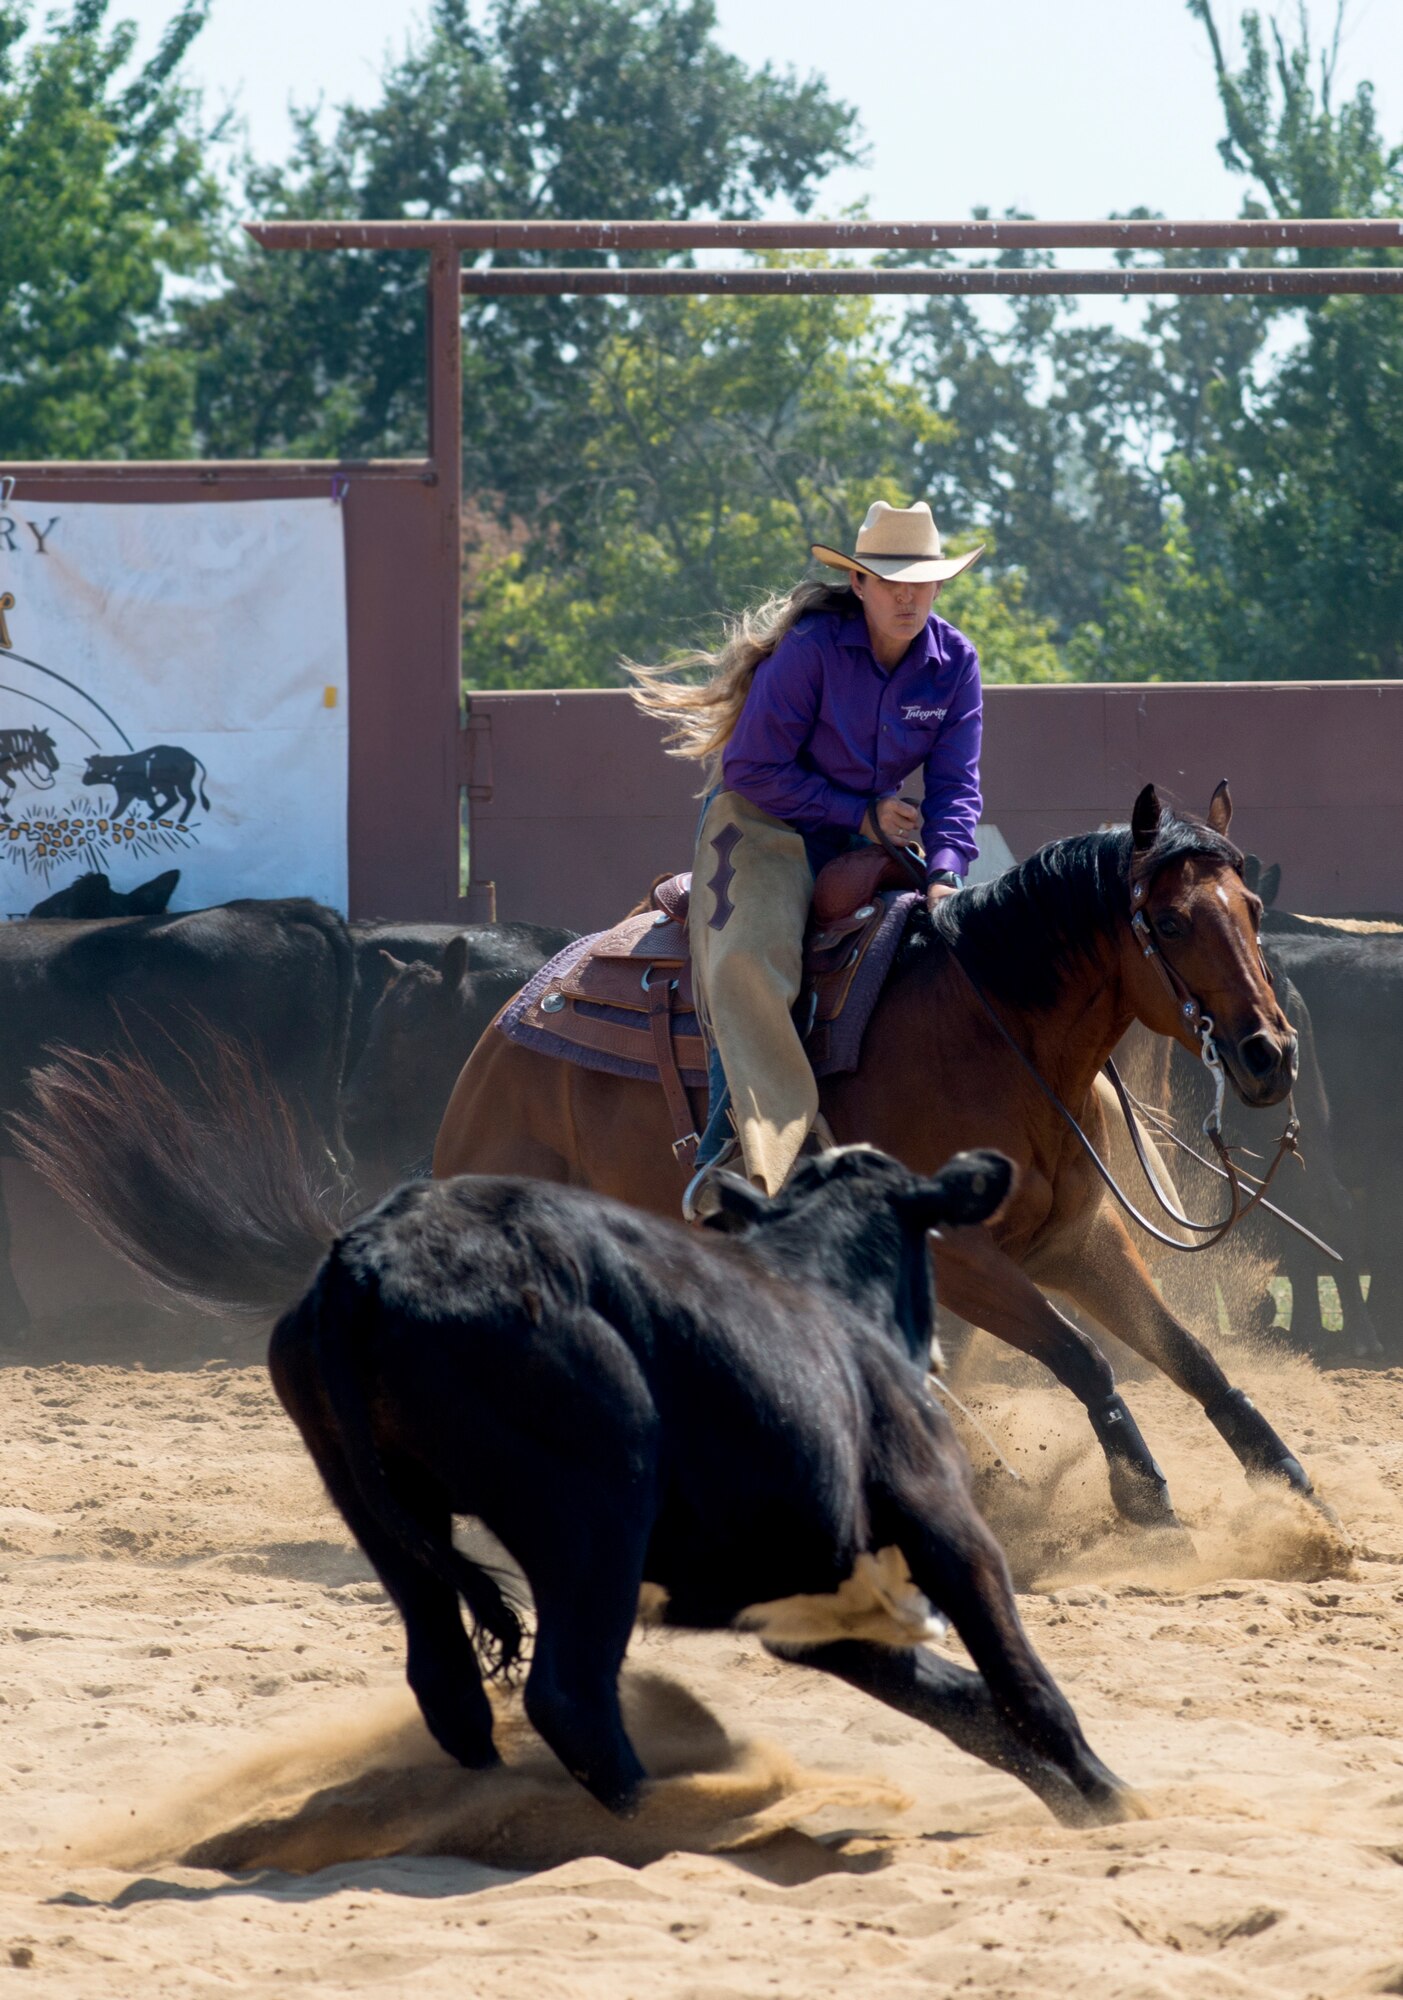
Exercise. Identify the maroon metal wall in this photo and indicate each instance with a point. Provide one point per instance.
(574, 807)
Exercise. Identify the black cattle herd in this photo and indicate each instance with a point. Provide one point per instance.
(733, 1422)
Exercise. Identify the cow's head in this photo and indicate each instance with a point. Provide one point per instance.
(98, 770)
(425, 1025)
(857, 1221)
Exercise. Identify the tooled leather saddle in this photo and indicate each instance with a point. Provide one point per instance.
(624, 1000)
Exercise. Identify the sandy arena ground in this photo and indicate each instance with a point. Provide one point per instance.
(191, 1650)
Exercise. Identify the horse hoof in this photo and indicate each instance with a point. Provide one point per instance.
(1171, 1543)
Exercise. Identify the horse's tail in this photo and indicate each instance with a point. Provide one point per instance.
(318, 1357)
(203, 775)
(216, 1191)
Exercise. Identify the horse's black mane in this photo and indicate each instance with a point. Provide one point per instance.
(1019, 936)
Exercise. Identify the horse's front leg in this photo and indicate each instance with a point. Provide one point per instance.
(1103, 1274)
(984, 1286)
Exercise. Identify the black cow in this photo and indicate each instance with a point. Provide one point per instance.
(274, 975)
(1317, 1198)
(158, 777)
(1352, 981)
(744, 1425)
(415, 1024)
(93, 896)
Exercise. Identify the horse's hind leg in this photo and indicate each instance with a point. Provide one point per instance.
(1107, 1277)
(984, 1286)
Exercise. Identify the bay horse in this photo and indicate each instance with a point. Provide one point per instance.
(1051, 947)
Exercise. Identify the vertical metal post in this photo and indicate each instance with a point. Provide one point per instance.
(445, 337)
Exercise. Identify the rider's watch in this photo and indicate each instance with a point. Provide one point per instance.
(945, 877)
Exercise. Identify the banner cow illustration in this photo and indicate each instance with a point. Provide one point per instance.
(143, 774)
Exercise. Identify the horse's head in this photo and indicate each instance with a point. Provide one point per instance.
(1200, 922)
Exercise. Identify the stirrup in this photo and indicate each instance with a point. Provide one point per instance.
(728, 1161)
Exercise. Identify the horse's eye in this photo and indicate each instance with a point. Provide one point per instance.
(1169, 926)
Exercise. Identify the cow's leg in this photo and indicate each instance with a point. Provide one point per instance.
(440, 1663)
(977, 1281)
(1018, 1719)
(1107, 1278)
(953, 1700)
(586, 1601)
(14, 1313)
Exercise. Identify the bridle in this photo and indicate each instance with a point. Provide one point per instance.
(1200, 1024)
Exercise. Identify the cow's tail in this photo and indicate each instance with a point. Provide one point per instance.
(216, 1190)
(318, 1358)
(203, 775)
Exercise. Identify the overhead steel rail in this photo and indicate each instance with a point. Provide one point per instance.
(450, 241)
(1249, 234)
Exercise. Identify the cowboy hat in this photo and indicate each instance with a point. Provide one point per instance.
(901, 544)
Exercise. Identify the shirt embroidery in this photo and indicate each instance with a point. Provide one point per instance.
(914, 713)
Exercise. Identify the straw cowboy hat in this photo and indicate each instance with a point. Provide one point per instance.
(901, 544)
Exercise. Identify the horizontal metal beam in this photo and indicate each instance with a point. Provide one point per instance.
(1326, 232)
(853, 279)
(215, 471)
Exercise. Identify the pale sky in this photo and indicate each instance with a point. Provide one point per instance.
(1067, 108)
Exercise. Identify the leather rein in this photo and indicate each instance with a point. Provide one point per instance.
(1199, 1023)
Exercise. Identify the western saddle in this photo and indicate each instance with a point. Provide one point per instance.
(630, 997)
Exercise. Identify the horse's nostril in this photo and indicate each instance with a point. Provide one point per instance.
(1260, 1053)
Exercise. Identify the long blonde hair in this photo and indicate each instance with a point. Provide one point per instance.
(701, 714)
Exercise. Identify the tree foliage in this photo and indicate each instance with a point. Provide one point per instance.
(550, 108)
(105, 197)
(724, 435)
(1211, 489)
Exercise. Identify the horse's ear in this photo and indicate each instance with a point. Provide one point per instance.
(455, 963)
(1269, 887)
(1251, 871)
(1145, 817)
(1220, 808)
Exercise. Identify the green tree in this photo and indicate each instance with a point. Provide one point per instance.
(549, 108)
(105, 197)
(1282, 554)
(724, 436)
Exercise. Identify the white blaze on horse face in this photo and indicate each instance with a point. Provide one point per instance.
(878, 1602)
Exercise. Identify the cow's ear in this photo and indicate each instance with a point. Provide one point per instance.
(1269, 887)
(726, 1202)
(149, 899)
(970, 1188)
(1220, 808)
(1251, 871)
(1145, 817)
(455, 963)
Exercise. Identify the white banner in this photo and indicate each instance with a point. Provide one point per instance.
(173, 695)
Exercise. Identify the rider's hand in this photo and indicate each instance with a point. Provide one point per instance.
(936, 892)
(901, 823)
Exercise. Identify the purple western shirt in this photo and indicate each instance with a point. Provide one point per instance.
(824, 729)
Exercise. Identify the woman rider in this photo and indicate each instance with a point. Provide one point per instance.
(815, 709)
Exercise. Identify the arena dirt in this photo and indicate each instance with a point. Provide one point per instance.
(195, 1662)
